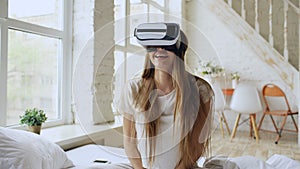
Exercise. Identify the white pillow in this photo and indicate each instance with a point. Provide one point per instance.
(251, 162)
(283, 162)
(26, 150)
(242, 162)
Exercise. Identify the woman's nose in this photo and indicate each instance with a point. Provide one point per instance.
(160, 49)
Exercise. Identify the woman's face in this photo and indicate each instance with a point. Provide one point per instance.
(162, 59)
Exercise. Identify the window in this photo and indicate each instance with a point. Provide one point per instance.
(35, 66)
(44, 13)
(129, 56)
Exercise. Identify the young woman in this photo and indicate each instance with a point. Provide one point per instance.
(167, 111)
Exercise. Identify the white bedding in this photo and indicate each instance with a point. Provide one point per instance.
(84, 156)
(25, 150)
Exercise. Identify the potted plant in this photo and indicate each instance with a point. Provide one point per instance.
(33, 118)
(210, 71)
(235, 77)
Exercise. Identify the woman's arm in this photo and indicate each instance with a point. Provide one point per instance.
(200, 133)
(202, 130)
(130, 144)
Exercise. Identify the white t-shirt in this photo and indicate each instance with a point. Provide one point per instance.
(167, 140)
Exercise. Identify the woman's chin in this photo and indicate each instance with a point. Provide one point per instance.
(163, 67)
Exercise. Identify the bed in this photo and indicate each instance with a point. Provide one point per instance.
(25, 150)
(84, 157)
(92, 155)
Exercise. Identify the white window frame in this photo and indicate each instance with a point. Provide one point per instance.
(128, 48)
(64, 63)
(131, 48)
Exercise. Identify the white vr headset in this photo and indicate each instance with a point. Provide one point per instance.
(158, 34)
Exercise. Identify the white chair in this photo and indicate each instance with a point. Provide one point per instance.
(246, 100)
(220, 104)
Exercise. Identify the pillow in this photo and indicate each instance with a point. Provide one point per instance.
(283, 162)
(219, 162)
(26, 150)
(250, 162)
(242, 162)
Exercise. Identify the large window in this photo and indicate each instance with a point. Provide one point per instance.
(35, 59)
(129, 56)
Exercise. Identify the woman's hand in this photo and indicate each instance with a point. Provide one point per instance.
(130, 143)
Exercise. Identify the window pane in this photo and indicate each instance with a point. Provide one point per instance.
(120, 34)
(32, 74)
(138, 9)
(158, 15)
(119, 77)
(126, 70)
(162, 2)
(45, 13)
(135, 1)
(135, 64)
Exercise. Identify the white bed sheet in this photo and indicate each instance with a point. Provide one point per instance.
(84, 157)
(283, 162)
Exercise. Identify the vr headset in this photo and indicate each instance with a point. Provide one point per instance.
(158, 34)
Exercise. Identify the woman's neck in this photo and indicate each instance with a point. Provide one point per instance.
(164, 82)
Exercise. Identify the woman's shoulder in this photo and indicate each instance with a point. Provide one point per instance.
(202, 83)
(204, 88)
(133, 84)
(136, 81)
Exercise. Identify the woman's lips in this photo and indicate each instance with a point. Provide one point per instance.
(160, 56)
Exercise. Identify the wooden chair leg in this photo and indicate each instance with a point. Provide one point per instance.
(281, 129)
(252, 117)
(295, 124)
(221, 125)
(261, 121)
(251, 128)
(226, 124)
(274, 124)
(235, 126)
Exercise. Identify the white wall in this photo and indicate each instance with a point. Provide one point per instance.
(214, 32)
(93, 61)
(237, 48)
(83, 49)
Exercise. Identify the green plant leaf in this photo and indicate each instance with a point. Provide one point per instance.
(33, 117)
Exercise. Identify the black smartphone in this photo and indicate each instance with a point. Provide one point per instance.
(101, 160)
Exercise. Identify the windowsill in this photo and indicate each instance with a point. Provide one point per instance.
(70, 136)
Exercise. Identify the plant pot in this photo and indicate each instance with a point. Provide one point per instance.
(35, 129)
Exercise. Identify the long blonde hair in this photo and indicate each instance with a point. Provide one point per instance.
(188, 108)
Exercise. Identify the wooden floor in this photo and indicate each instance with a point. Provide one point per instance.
(242, 144)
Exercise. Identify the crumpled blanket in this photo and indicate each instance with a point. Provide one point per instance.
(250, 162)
(219, 162)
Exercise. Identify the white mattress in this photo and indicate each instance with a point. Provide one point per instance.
(84, 157)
